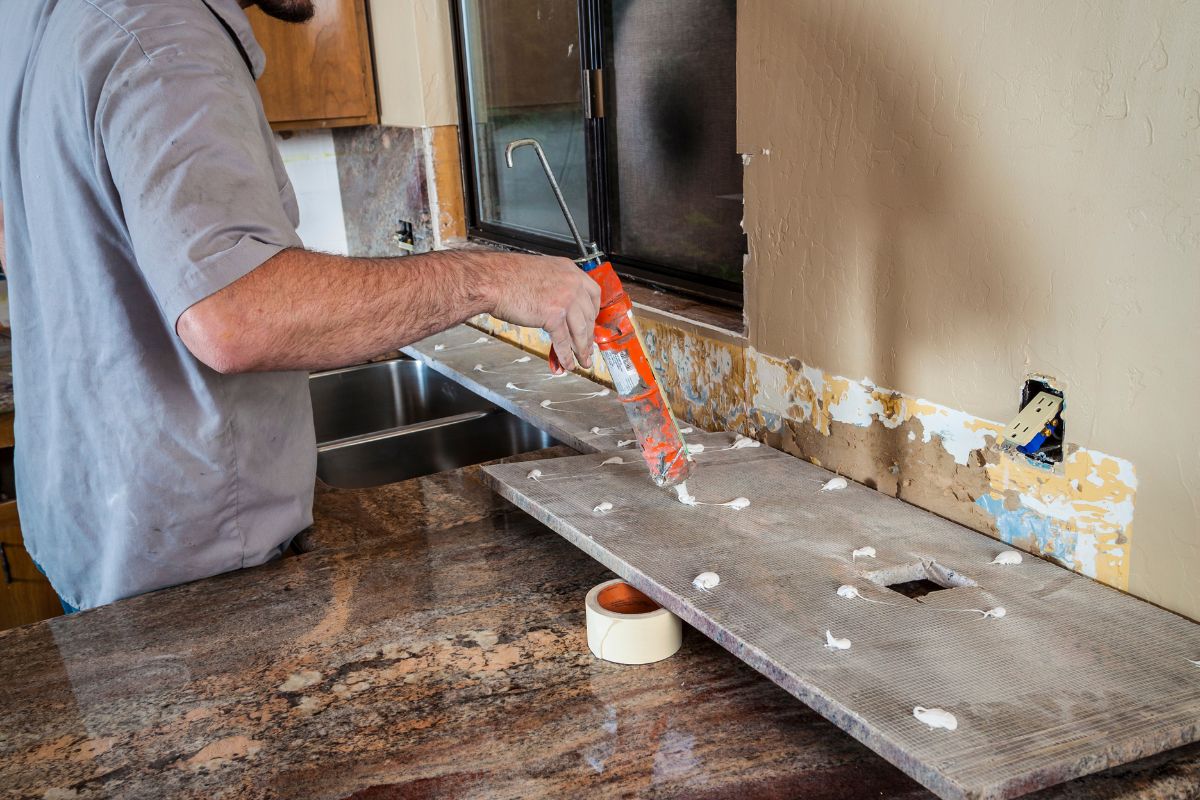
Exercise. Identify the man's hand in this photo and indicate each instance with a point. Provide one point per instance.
(555, 295)
(301, 310)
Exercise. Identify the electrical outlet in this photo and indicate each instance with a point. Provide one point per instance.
(1036, 422)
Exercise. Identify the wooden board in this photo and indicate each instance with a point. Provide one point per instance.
(1076, 678)
(25, 593)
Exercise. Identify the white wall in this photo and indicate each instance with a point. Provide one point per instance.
(311, 165)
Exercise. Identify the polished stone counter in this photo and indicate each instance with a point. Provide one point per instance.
(430, 643)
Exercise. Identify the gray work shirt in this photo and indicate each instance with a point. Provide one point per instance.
(138, 176)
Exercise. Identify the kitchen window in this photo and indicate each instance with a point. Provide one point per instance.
(634, 103)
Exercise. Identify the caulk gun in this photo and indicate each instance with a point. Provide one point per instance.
(621, 348)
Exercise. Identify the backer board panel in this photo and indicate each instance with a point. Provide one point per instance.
(1076, 678)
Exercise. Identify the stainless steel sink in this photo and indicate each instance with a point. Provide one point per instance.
(394, 420)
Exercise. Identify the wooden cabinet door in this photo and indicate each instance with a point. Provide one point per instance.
(25, 594)
(319, 74)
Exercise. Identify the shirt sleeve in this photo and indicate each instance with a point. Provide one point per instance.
(189, 153)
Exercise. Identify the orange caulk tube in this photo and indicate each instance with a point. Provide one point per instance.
(633, 377)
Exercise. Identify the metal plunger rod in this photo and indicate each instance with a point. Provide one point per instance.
(558, 195)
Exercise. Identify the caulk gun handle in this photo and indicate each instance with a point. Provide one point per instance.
(610, 290)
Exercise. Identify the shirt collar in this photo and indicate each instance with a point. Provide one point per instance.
(230, 12)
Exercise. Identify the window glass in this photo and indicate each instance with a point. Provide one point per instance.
(524, 81)
(674, 170)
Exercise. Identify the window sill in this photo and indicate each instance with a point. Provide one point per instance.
(667, 306)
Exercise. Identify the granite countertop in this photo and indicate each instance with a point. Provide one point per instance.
(428, 643)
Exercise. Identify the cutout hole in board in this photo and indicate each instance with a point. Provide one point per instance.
(918, 579)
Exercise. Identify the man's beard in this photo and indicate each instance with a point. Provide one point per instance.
(287, 10)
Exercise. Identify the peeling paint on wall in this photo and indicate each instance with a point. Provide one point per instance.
(939, 458)
(1081, 518)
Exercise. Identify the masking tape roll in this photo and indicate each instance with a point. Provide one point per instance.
(627, 627)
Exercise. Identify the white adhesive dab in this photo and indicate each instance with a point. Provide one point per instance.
(598, 431)
(936, 718)
(521, 360)
(1007, 557)
(480, 340)
(688, 499)
(741, 442)
(999, 612)
(706, 580)
(603, 508)
(537, 473)
(1194, 663)
(625, 442)
(577, 395)
(834, 643)
(549, 406)
(685, 430)
(833, 484)
(862, 552)
(851, 592)
(695, 448)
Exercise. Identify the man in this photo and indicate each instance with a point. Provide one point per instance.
(164, 311)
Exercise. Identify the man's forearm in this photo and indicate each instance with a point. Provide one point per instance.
(306, 310)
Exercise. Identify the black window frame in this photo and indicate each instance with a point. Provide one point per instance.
(593, 37)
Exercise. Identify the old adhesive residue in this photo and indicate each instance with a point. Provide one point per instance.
(834, 484)
(862, 552)
(1007, 557)
(706, 581)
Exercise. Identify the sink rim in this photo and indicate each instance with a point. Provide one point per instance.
(405, 430)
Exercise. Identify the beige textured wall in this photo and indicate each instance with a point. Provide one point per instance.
(414, 62)
(945, 195)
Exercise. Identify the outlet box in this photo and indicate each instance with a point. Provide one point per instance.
(1038, 430)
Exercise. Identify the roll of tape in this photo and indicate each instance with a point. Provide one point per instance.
(627, 627)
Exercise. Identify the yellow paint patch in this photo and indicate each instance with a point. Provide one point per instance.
(1088, 507)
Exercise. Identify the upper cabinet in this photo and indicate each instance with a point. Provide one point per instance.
(319, 74)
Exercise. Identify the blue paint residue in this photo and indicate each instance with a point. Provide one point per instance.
(1029, 530)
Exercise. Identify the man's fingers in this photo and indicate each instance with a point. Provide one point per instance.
(561, 341)
(594, 295)
(581, 334)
